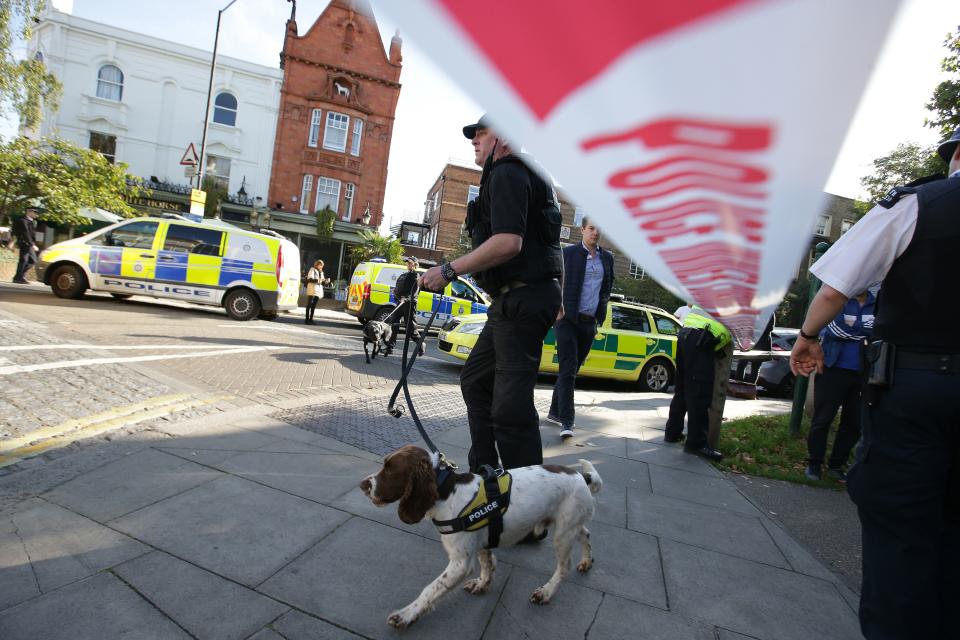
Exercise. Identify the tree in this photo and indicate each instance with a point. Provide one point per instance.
(945, 103)
(464, 245)
(647, 291)
(25, 84)
(63, 177)
(216, 193)
(374, 245)
(904, 164)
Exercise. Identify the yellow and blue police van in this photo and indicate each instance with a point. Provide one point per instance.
(210, 262)
(370, 295)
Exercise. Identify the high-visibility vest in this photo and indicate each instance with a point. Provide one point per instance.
(698, 319)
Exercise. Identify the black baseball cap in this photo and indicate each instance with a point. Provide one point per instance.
(412, 259)
(946, 148)
(470, 130)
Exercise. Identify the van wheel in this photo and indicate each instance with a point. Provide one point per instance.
(242, 304)
(382, 313)
(68, 281)
(122, 296)
(656, 375)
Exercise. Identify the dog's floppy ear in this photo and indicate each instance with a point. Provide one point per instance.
(421, 493)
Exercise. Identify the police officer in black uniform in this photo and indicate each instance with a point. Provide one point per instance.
(404, 292)
(906, 480)
(515, 230)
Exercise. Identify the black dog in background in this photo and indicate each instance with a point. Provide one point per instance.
(378, 334)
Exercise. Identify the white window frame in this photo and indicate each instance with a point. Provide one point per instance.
(234, 110)
(109, 84)
(328, 187)
(578, 216)
(349, 193)
(305, 192)
(823, 226)
(845, 225)
(475, 190)
(218, 162)
(314, 135)
(333, 118)
(357, 137)
(636, 271)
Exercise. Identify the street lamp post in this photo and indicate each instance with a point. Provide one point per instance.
(206, 115)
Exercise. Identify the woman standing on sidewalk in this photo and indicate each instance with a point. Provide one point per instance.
(315, 282)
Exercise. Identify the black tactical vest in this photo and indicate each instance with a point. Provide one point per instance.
(918, 307)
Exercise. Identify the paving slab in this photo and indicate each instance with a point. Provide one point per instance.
(64, 547)
(17, 580)
(752, 598)
(97, 608)
(694, 487)
(233, 527)
(299, 626)
(567, 616)
(201, 602)
(669, 455)
(626, 563)
(703, 526)
(266, 634)
(620, 618)
(800, 559)
(404, 564)
(316, 475)
(130, 483)
(358, 504)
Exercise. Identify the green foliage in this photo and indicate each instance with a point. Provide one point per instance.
(373, 245)
(792, 309)
(325, 218)
(945, 103)
(904, 164)
(26, 85)
(763, 446)
(647, 291)
(216, 193)
(464, 246)
(64, 177)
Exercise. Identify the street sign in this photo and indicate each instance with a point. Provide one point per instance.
(190, 156)
(198, 199)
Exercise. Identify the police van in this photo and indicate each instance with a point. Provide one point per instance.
(370, 295)
(211, 262)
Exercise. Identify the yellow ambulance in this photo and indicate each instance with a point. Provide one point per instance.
(370, 295)
(210, 262)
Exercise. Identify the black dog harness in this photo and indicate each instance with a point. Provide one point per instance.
(486, 509)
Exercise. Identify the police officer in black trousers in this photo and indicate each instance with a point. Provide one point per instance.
(515, 231)
(906, 479)
(404, 293)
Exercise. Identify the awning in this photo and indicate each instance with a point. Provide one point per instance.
(99, 215)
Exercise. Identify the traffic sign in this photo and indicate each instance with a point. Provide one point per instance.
(190, 156)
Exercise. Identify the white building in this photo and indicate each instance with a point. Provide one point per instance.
(140, 100)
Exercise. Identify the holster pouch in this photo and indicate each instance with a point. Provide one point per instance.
(880, 359)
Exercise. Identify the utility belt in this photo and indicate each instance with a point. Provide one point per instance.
(706, 340)
(518, 284)
(882, 359)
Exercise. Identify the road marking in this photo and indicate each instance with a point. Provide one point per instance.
(63, 364)
(120, 347)
(269, 328)
(15, 450)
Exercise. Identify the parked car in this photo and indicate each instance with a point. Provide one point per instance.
(775, 375)
(636, 343)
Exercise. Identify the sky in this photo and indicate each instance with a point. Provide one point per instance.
(432, 109)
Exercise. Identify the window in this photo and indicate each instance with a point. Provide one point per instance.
(225, 109)
(823, 226)
(412, 237)
(578, 216)
(305, 194)
(218, 169)
(473, 192)
(666, 325)
(136, 235)
(328, 194)
(110, 83)
(348, 193)
(104, 145)
(314, 128)
(636, 271)
(630, 319)
(845, 226)
(335, 137)
(463, 291)
(183, 239)
(389, 275)
(357, 136)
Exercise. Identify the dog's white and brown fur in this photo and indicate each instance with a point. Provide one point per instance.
(540, 496)
(378, 334)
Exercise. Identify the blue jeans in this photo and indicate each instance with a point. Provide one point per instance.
(573, 342)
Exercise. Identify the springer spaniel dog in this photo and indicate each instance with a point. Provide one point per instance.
(378, 334)
(540, 496)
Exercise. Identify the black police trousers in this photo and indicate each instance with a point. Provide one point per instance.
(906, 485)
(498, 378)
(693, 390)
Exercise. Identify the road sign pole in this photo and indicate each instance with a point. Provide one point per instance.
(206, 114)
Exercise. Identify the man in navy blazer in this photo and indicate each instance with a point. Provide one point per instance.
(587, 280)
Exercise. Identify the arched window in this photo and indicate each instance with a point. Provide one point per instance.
(225, 109)
(110, 83)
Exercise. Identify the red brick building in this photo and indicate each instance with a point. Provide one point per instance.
(337, 105)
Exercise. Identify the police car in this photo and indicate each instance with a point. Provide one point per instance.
(636, 343)
(211, 262)
(370, 295)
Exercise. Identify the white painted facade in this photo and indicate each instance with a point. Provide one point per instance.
(161, 105)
